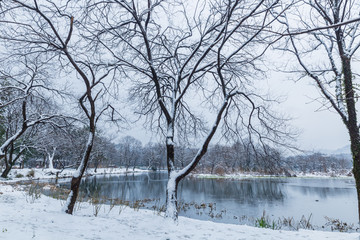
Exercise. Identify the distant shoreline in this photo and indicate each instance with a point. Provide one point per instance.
(31, 174)
(242, 175)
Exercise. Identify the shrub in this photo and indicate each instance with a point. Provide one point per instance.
(264, 222)
(337, 225)
(33, 193)
(219, 170)
(31, 173)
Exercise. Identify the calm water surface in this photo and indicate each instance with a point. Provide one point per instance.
(250, 197)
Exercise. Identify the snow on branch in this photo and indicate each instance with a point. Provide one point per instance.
(299, 32)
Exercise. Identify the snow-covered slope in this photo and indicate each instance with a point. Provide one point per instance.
(27, 217)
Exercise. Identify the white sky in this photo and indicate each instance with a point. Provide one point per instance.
(320, 130)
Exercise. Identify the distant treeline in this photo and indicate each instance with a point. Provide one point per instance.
(129, 153)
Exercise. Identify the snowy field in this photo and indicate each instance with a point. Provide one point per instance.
(26, 216)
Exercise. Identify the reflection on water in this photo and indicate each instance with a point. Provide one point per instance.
(279, 197)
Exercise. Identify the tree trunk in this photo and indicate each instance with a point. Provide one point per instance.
(22, 163)
(212, 168)
(176, 176)
(9, 161)
(352, 124)
(51, 159)
(71, 200)
(171, 198)
(355, 148)
(57, 177)
(76, 179)
(43, 164)
(171, 189)
(6, 171)
(170, 158)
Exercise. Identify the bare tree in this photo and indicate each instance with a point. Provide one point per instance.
(24, 104)
(153, 156)
(337, 43)
(177, 52)
(50, 141)
(104, 152)
(129, 150)
(51, 29)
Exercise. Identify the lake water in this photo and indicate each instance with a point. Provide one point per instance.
(238, 200)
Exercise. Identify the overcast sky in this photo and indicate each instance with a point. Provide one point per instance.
(319, 130)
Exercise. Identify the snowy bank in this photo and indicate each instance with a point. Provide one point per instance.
(46, 173)
(25, 216)
(259, 175)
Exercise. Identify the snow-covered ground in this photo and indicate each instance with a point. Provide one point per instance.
(26, 216)
(254, 174)
(45, 173)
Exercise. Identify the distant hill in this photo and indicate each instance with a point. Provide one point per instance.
(340, 151)
(343, 152)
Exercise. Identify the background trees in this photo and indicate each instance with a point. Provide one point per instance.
(129, 150)
(25, 103)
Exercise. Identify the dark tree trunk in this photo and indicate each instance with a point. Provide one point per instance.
(75, 185)
(44, 161)
(76, 180)
(22, 163)
(97, 163)
(9, 160)
(170, 158)
(6, 171)
(355, 149)
(351, 123)
(57, 177)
